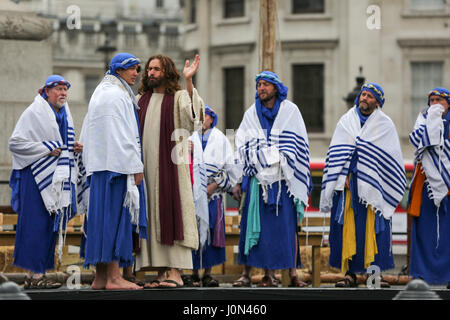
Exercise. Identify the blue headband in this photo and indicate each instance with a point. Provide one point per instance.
(376, 91)
(51, 82)
(273, 78)
(209, 111)
(441, 92)
(122, 61)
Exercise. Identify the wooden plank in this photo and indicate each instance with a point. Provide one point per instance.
(6, 209)
(7, 238)
(310, 222)
(285, 277)
(314, 239)
(315, 256)
(9, 219)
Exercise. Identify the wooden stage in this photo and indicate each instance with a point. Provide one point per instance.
(227, 293)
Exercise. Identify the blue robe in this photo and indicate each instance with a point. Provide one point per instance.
(211, 255)
(108, 228)
(37, 230)
(384, 258)
(276, 247)
(429, 261)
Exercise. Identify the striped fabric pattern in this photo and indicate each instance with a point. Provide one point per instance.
(284, 156)
(53, 176)
(433, 151)
(380, 168)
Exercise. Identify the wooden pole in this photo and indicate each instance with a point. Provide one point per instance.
(267, 34)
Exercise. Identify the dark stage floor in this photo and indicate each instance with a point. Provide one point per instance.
(226, 293)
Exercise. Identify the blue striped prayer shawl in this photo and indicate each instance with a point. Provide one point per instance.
(380, 168)
(432, 149)
(284, 156)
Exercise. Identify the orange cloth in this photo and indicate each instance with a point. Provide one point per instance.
(416, 192)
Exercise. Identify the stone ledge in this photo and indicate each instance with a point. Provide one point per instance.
(19, 24)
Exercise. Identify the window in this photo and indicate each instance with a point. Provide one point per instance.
(90, 40)
(160, 3)
(424, 77)
(130, 36)
(90, 83)
(171, 37)
(428, 4)
(234, 96)
(152, 33)
(308, 6)
(308, 94)
(192, 12)
(233, 8)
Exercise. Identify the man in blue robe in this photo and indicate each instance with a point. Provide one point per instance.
(113, 160)
(430, 192)
(363, 182)
(43, 147)
(272, 145)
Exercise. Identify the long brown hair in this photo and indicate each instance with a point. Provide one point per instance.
(171, 75)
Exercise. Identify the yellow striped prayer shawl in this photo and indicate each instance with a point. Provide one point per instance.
(349, 236)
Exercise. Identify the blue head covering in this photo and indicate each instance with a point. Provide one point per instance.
(51, 82)
(267, 116)
(442, 92)
(273, 78)
(209, 111)
(122, 60)
(375, 90)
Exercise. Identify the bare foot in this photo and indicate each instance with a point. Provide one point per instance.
(98, 283)
(121, 284)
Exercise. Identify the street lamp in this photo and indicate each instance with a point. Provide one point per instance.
(351, 96)
(106, 49)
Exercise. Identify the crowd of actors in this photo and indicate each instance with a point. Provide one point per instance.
(150, 173)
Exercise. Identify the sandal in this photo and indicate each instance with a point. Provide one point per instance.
(208, 281)
(347, 282)
(296, 282)
(177, 285)
(384, 283)
(41, 283)
(267, 282)
(191, 281)
(151, 284)
(243, 281)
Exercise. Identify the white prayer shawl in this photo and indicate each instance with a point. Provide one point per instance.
(381, 172)
(37, 134)
(199, 191)
(215, 163)
(433, 151)
(110, 138)
(285, 156)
